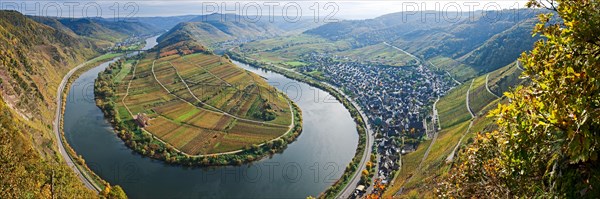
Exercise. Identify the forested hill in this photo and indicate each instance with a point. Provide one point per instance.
(460, 45)
(34, 57)
(103, 32)
(215, 28)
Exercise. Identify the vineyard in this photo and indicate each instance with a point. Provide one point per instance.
(200, 103)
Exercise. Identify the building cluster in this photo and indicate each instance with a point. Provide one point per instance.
(397, 101)
(129, 41)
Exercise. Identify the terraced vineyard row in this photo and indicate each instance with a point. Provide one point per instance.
(203, 104)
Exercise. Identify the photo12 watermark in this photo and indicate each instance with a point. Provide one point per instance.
(117, 10)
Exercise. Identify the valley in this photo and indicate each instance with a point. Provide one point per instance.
(211, 105)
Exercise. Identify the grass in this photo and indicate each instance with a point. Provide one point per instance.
(410, 162)
(452, 108)
(295, 63)
(454, 119)
(106, 56)
(504, 79)
(187, 115)
(378, 53)
(287, 51)
(435, 164)
(123, 72)
(479, 97)
(459, 71)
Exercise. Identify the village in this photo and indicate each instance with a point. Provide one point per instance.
(397, 101)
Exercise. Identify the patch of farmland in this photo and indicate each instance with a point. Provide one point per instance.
(161, 126)
(222, 97)
(231, 142)
(202, 77)
(187, 115)
(203, 142)
(452, 108)
(204, 92)
(168, 78)
(206, 119)
(479, 97)
(246, 104)
(267, 131)
(126, 69)
(180, 120)
(505, 78)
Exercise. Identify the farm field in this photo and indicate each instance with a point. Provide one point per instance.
(378, 53)
(503, 79)
(459, 71)
(287, 51)
(452, 108)
(479, 97)
(201, 104)
(412, 178)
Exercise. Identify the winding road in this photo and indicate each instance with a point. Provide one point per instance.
(56, 128)
(351, 186)
(487, 87)
(467, 99)
(450, 157)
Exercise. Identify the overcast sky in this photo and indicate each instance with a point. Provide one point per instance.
(304, 9)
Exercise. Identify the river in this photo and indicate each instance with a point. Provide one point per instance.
(307, 167)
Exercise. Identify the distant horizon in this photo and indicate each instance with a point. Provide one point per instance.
(331, 10)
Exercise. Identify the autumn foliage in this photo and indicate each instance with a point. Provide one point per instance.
(548, 136)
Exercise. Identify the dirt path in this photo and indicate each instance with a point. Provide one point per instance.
(451, 155)
(216, 110)
(127, 91)
(487, 87)
(467, 99)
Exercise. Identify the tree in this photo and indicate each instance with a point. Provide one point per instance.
(116, 192)
(549, 134)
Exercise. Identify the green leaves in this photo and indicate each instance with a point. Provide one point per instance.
(549, 132)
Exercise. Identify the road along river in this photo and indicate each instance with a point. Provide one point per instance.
(307, 167)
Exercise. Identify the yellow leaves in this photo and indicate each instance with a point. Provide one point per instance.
(570, 25)
(543, 86)
(509, 95)
(570, 70)
(106, 190)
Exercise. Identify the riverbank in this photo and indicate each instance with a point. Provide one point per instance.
(88, 177)
(352, 169)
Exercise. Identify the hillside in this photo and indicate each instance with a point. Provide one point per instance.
(421, 172)
(33, 59)
(24, 172)
(197, 105)
(35, 55)
(102, 32)
(210, 30)
(468, 47)
(162, 24)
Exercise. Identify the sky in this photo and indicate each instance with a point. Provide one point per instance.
(317, 10)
